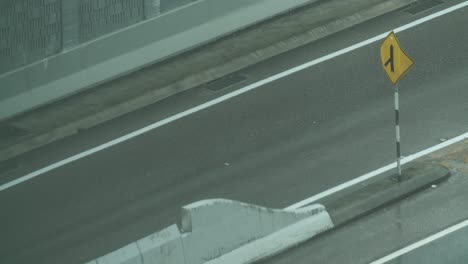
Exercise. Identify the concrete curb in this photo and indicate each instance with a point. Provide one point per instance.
(363, 200)
(236, 63)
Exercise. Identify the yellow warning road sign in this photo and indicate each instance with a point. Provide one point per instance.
(394, 60)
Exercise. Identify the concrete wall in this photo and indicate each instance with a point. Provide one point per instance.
(31, 30)
(213, 228)
(121, 52)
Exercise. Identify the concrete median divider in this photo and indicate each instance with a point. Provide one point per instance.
(224, 231)
(162, 247)
(362, 199)
(277, 242)
(129, 254)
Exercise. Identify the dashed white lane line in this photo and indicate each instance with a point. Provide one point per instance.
(225, 97)
(421, 243)
(376, 172)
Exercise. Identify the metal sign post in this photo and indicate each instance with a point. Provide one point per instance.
(397, 130)
(395, 63)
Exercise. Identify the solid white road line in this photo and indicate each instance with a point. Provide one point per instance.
(225, 97)
(376, 172)
(421, 243)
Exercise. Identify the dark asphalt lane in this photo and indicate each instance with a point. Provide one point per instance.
(451, 249)
(394, 227)
(273, 146)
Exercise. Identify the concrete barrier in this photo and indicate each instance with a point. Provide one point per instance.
(164, 247)
(137, 46)
(239, 223)
(277, 242)
(129, 254)
(213, 228)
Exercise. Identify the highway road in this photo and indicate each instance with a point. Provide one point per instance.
(273, 146)
(447, 250)
(429, 227)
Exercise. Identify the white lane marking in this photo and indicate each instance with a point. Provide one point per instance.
(225, 97)
(421, 243)
(376, 172)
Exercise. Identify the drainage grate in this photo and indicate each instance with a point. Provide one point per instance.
(225, 82)
(422, 5)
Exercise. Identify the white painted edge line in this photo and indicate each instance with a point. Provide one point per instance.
(421, 243)
(225, 97)
(377, 172)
